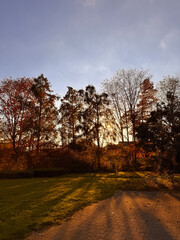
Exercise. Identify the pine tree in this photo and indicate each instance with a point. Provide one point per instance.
(44, 113)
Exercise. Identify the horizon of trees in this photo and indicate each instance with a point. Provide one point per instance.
(129, 110)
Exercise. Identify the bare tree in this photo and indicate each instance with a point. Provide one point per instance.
(123, 89)
(171, 84)
(117, 105)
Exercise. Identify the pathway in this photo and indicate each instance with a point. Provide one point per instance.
(128, 215)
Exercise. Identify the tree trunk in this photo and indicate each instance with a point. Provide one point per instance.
(98, 152)
(39, 132)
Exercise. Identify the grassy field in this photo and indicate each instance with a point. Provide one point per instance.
(31, 204)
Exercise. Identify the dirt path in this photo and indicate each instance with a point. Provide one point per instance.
(128, 215)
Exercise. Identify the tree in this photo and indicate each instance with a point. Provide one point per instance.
(95, 115)
(124, 89)
(161, 132)
(15, 99)
(69, 116)
(45, 113)
(130, 82)
(171, 84)
(146, 101)
(117, 105)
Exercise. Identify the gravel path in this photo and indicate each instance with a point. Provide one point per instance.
(128, 215)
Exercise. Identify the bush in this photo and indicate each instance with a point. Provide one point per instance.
(11, 174)
(51, 172)
(71, 160)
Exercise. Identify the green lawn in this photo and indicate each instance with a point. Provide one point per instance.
(31, 204)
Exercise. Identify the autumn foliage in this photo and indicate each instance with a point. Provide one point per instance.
(130, 125)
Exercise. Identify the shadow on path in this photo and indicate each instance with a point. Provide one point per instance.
(129, 215)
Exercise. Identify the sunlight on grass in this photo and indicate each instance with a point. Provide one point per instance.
(31, 204)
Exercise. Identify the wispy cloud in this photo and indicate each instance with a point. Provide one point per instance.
(84, 68)
(89, 3)
(102, 69)
(170, 40)
(162, 44)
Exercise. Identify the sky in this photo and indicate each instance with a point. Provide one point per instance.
(80, 42)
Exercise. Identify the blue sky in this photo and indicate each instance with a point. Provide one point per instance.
(80, 42)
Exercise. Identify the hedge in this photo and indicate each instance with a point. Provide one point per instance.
(47, 172)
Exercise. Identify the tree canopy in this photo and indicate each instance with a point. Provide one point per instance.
(129, 115)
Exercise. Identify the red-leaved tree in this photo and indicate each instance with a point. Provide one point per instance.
(15, 97)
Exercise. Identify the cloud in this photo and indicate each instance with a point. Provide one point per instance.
(102, 69)
(89, 3)
(86, 68)
(81, 68)
(170, 40)
(162, 44)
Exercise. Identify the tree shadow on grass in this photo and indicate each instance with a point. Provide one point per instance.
(48, 201)
(37, 205)
(124, 175)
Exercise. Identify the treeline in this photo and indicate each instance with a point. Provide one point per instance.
(130, 124)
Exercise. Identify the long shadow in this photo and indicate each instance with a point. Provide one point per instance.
(126, 175)
(153, 226)
(127, 221)
(176, 195)
(53, 202)
(77, 185)
(47, 199)
(46, 205)
(87, 227)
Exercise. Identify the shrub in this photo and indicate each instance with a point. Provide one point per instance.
(52, 172)
(10, 174)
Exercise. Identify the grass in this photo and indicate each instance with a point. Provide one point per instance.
(31, 204)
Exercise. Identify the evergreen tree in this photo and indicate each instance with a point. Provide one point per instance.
(44, 114)
(96, 113)
(69, 116)
(160, 134)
